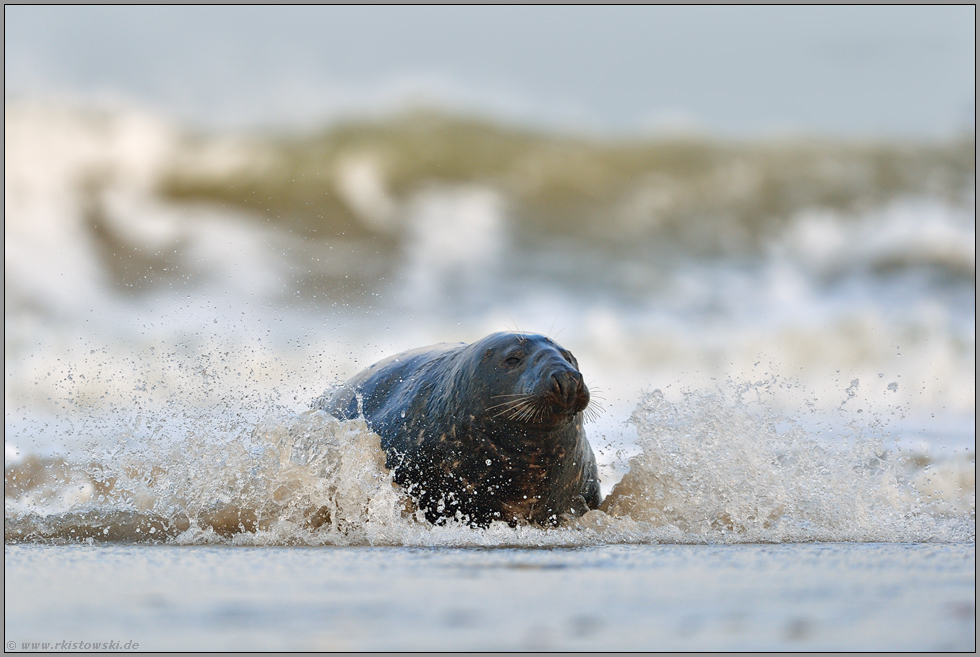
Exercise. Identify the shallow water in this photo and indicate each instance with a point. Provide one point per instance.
(828, 596)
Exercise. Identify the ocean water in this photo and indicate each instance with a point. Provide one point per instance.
(813, 596)
(780, 338)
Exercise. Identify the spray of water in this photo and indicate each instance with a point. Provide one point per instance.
(710, 469)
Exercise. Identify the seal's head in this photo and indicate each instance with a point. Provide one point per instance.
(526, 379)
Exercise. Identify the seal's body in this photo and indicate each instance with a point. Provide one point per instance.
(481, 432)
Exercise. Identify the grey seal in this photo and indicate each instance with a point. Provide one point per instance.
(480, 432)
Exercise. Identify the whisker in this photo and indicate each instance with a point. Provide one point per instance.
(529, 411)
(593, 411)
(506, 411)
(509, 401)
(553, 324)
(503, 412)
(596, 391)
(506, 403)
(526, 407)
(513, 406)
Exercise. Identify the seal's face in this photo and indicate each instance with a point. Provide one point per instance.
(531, 380)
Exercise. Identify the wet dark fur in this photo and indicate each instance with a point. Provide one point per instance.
(481, 432)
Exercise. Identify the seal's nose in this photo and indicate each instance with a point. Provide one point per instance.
(567, 385)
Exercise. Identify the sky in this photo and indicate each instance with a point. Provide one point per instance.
(738, 71)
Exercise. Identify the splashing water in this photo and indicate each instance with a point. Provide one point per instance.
(280, 483)
(709, 470)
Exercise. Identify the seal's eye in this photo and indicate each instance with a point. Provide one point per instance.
(513, 361)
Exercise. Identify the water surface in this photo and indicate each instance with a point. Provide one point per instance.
(643, 597)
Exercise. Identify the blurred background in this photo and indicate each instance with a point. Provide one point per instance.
(230, 209)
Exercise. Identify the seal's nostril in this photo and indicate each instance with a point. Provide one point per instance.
(556, 385)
